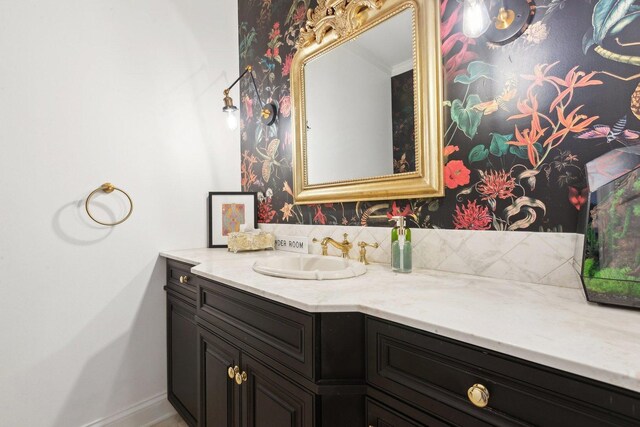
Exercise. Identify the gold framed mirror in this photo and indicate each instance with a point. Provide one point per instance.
(366, 85)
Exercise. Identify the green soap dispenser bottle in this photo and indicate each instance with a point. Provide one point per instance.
(400, 246)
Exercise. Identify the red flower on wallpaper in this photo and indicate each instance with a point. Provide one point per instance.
(286, 67)
(496, 185)
(285, 106)
(266, 211)
(472, 217)
(275, 31)
(578, 198)
(454, 61)
(397, 212)
(456, 174)
(319, 218)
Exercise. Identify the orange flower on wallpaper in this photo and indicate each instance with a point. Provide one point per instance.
(286, 211)
(247, 175)
(456, 174)
(287, 189)
(450, 149)
(573, 123)
(573, 80)
(539, 76)
(528, 138)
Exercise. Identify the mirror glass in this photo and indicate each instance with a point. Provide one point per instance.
(359, 101)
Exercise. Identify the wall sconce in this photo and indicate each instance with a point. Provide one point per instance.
(268, 112)
(502, 22)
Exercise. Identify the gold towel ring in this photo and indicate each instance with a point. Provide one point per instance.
(107, 187)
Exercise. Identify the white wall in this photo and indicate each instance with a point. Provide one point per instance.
(91, 91)
(349, 117)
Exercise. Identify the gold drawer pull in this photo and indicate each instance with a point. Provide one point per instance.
(184, 279)
(478, 395)
(241, 377)
(232, 371)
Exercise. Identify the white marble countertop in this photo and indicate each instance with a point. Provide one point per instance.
(548, 325)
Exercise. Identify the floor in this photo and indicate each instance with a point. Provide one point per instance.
(175, 421)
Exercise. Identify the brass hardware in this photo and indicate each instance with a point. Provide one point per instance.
(345, 246)
(269, 111)
(330, 25)
(363, 251)
(108, 188)
(184, 279)
(232, 371)
(478, 395)
(241, 377)
(504, 18)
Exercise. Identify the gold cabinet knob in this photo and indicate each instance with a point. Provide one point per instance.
(478, 395)
(241, 377)
(232, 371)
(184, 279)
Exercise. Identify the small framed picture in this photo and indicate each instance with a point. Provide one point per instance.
(227, 212)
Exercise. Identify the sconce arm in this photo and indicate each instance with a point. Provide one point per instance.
(248, 69)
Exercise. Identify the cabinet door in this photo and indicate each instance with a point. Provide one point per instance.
(219, 395)
(271, 400)
(182, 358)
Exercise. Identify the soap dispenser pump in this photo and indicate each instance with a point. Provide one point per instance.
(400, 246)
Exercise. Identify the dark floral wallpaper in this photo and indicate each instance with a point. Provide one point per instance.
(521, 120)
(403, 123)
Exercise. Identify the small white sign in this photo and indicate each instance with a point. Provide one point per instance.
(297, 244)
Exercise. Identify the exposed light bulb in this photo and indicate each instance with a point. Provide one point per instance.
(232, 120)
(476, 19)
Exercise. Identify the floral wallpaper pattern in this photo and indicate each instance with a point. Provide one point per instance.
(403, 122)
(521, 120)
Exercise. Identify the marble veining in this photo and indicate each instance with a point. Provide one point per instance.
(521, 256)
(550, 325)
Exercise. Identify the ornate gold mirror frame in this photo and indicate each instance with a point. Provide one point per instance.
(334, 22)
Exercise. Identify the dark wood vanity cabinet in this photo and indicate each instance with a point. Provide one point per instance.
(296, 369)
(299, 369)
(434, 374)
(261, 397)
(182, 372)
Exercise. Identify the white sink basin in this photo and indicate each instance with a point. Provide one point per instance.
(310, 267)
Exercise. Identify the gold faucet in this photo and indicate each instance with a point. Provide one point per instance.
(345, 246)
(363, 251)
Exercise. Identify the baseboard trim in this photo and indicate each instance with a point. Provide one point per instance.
(145, 413)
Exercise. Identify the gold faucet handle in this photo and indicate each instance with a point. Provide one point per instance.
(323, 245)
(363, 251)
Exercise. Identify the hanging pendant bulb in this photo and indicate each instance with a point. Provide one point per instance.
(232, 120)
(476, 19)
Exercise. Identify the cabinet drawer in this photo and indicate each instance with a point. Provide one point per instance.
(180, 279)
(379, 415)
(282, 333)
(422, 367)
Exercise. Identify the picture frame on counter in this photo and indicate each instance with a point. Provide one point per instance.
(230, 212)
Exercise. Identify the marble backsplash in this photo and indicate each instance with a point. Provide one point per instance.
(544, 258)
